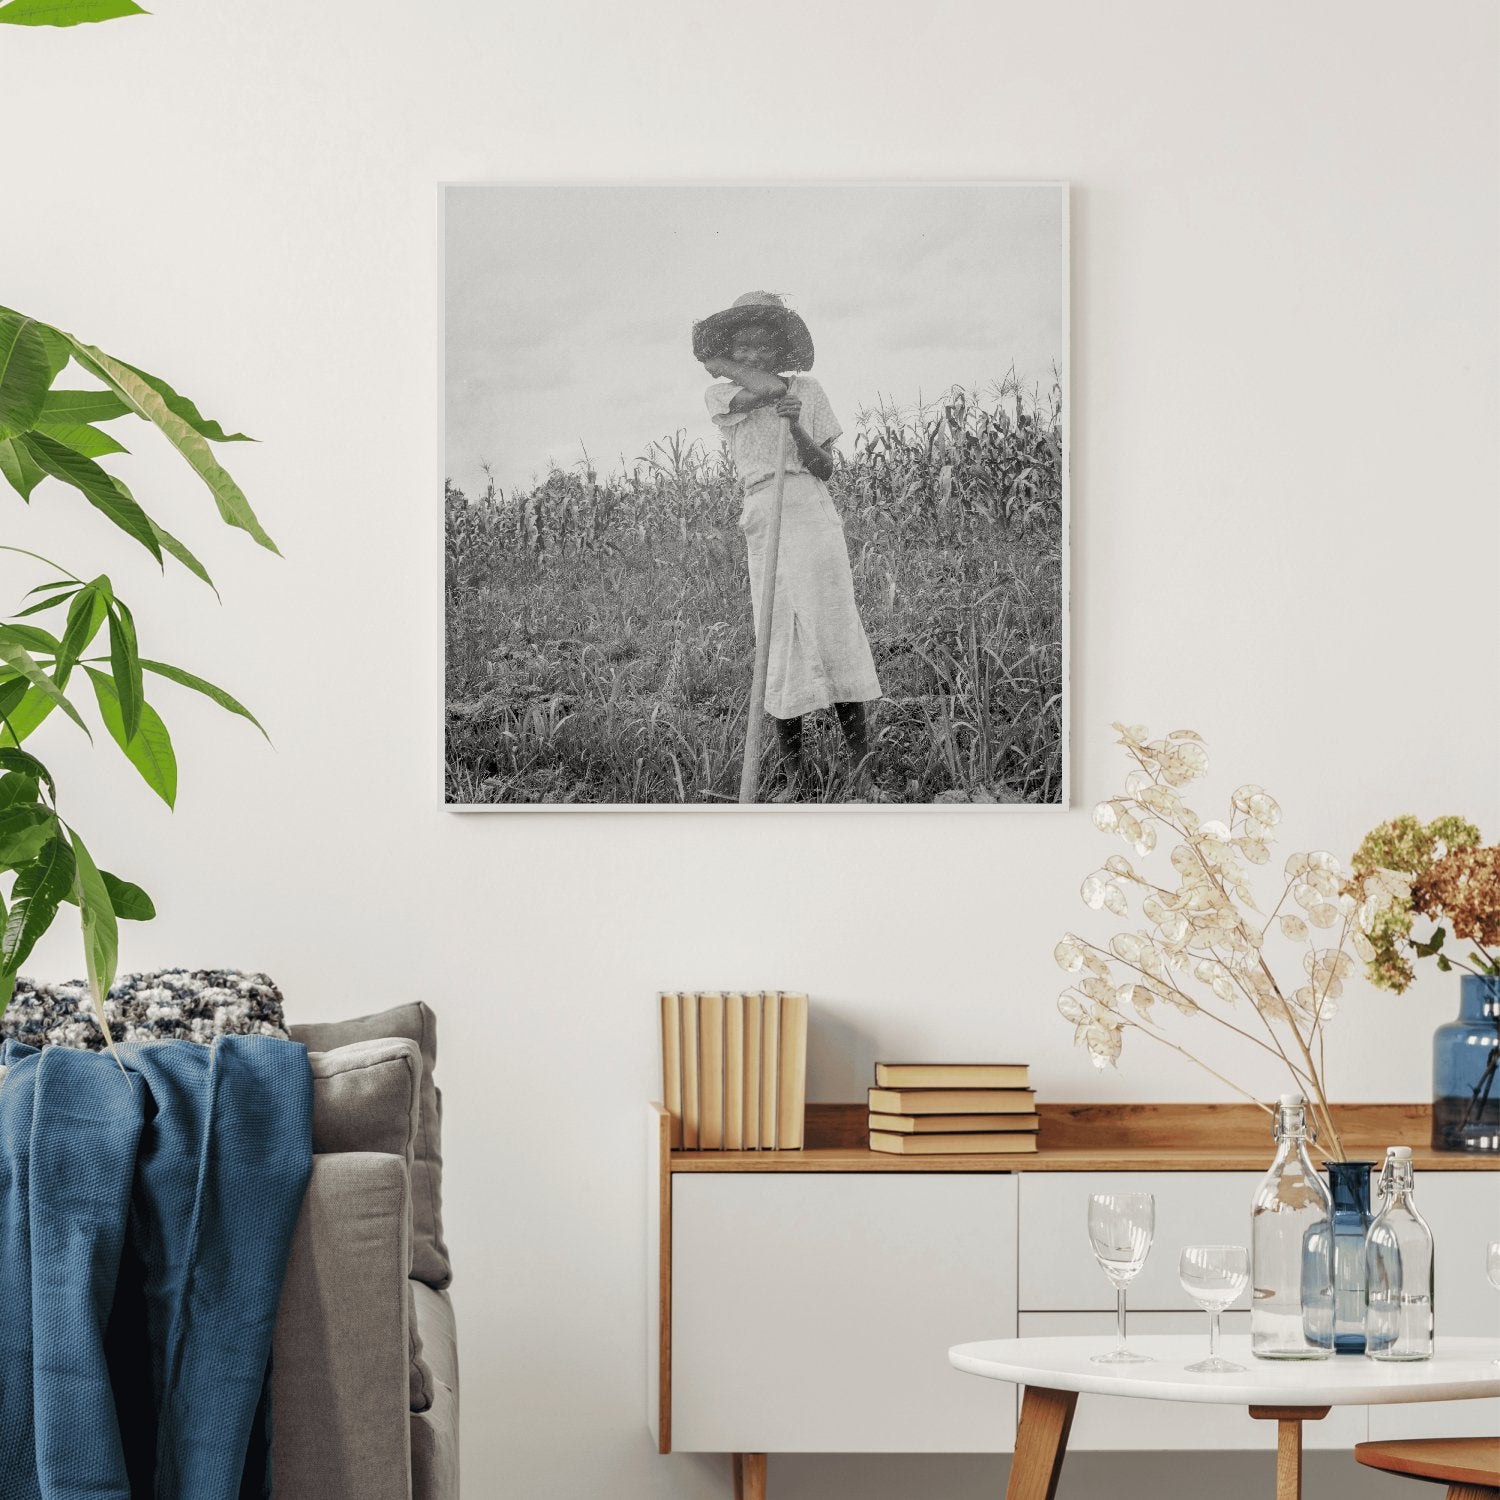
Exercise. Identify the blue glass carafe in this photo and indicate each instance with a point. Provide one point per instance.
(1466, 1071)
(1349, 1183)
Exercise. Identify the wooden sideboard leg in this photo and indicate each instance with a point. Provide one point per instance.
(749, 1476)
(1289, 1420)
(1041, 1442)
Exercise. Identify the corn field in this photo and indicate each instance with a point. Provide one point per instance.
(599, 645)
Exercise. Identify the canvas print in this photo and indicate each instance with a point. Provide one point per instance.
(755, 496)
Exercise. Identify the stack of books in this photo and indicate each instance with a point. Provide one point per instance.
(734, 1070)
(940, 1109)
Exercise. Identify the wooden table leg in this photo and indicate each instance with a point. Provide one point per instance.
(1289, 1420)
(1041, 1442)
(749, 1476)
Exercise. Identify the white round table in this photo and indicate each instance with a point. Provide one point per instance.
(1055, 1371)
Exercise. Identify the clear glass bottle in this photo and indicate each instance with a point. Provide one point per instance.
(1398, 1270)
(1291, 1249)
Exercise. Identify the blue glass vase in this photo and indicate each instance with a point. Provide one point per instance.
(1349, 1183)
(1466, 1071)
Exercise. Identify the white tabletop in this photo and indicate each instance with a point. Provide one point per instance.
(1460, 1369)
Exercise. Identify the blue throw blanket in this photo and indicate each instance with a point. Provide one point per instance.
(145, 1221)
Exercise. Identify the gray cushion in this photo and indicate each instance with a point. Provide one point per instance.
(367, 1097)
(429, 1254)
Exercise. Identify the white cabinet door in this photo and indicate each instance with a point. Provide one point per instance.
(814, 1312)
(1119, 1423)
(1058, 1269)
(1463, 1209)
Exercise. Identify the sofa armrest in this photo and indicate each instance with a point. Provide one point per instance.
(339, 1415)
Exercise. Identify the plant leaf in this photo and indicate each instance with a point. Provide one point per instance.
(11, 694)
(130, 902)
(101, 934)
(41, 606)
(33, 901)
(80, 437)
(150, 749)
(19, 658)
(83, 406)
(204, 426)
(34, 638)
(125, 664)
(24, 373)
(85, 616)
(17, 789)
(146, 399)
(23, 832)
(21, 470)
(200, 685)
(31, 713)
(100, 488)
(169, 543)
(66, 12)
(28, 765)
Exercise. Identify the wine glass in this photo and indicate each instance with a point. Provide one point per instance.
(1120, 1229)
(1213, 1276)
(1492, 1268)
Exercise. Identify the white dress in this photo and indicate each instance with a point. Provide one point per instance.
(819, 652)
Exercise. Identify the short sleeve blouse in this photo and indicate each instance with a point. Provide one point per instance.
(755, 435)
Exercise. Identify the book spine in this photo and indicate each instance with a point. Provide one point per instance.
(792, 1091)
(754, 1044)
(689, 1005)
(770, 1063)
(734, 1072)
(952, 1076)
(671, 1064)
(711, 1072)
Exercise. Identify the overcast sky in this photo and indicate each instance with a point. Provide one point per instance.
(569, 310)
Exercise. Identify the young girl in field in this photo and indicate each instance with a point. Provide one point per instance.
(819, 653)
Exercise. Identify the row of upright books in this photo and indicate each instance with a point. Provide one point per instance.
(734, 1069)
(945, 1109)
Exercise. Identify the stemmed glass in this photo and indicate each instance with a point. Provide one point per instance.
(1492, 1268)
(1120, 1229)
(1213, 1276)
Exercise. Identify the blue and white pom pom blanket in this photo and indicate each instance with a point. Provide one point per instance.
(146, 1216)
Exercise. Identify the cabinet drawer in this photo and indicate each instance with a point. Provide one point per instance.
(814, 1312)
(1121, 1423)
(1058, 1269)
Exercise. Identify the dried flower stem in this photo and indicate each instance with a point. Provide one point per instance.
(1201, 1010)
(1209, 928)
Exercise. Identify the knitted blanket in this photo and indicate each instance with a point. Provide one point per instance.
(146, 1217)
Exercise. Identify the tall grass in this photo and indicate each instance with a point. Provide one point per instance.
(599, 637)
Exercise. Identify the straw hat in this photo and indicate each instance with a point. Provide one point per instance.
(711, 337)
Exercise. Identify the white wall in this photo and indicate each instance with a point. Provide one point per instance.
(1285, 535)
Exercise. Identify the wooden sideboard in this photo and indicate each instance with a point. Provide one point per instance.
(761, 1264)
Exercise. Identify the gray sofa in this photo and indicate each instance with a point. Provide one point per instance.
(365, 1368)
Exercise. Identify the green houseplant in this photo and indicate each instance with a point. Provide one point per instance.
(50, 430)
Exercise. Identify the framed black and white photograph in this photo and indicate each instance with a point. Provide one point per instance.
(755, 496)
